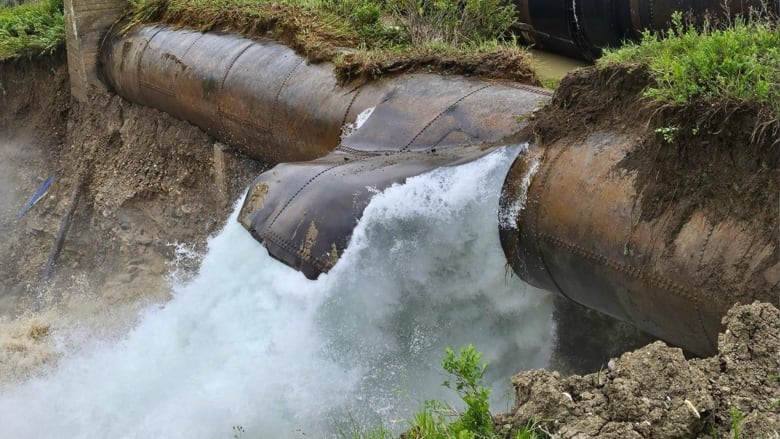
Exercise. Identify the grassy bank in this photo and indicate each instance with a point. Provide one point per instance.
(365, 39)
(31, 29)
(721, 66)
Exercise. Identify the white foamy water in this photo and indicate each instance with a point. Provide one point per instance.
(249, 342)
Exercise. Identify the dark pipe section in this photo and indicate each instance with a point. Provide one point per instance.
(582, 28)
(305, 212)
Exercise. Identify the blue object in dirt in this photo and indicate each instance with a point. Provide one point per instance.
(36, 197)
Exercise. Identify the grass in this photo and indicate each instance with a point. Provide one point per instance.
(366, 39)
(31, 29)
(737, 63)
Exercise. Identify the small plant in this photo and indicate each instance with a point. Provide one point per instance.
(667, 133)
(468, 372)
(736, 418)
(438, 420)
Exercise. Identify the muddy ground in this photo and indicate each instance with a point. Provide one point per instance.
(144, 191)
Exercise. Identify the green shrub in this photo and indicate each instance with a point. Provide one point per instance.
(31, 29)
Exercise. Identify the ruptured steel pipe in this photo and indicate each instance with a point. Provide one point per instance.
(570, 223)
(261, 97)
(582, 28)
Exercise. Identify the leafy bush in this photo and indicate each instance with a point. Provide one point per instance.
(31, 29)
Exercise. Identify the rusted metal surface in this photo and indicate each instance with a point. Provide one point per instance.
(305, 212)
(582, 28)
(263, 98)
(579, 234)
(256, 95)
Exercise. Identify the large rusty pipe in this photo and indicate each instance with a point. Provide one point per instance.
(577, 231)
(256, 95)
(263, 98)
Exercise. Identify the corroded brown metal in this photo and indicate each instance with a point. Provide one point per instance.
(305, 212)
(257, 95)
(263, 98)
(580, 234)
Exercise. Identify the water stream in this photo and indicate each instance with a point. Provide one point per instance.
(249, 342)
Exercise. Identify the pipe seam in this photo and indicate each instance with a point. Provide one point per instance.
(651, 278)
(272, 119)
(450, 107)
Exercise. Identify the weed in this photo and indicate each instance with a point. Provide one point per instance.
(31, 29)
(734, 63)
(667, 133)
(736, 418)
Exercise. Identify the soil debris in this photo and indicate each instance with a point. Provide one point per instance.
(655, 392)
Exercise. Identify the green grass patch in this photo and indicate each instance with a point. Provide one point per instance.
(491, 59)
(31, 29)
(738, 63)
(366, 38)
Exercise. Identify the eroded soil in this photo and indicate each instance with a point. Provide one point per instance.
(145, 194)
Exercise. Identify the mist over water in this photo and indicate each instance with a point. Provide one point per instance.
(250, 342)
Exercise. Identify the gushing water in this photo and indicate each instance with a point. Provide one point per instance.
(249, 342)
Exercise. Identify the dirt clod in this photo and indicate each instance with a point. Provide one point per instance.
(655, 392)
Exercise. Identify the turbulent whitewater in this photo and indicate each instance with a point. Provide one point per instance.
(249, 342)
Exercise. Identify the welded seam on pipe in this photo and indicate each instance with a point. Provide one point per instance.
(651, 278)
(545, 170)
(450, 107)
(175, 85)
(272, 119)
(295, 195)
(140, 61)
(287, 245)
(356, 91)
(221, 123)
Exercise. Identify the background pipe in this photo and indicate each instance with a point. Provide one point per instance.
(577, 231)
(582, 28)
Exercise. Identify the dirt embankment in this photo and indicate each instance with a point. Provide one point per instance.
(148, 185)
(655, 392)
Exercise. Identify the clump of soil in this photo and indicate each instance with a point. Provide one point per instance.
(656, 392)
(500, 63)
(149, 191)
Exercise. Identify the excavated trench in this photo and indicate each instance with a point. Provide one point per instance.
(575, 219)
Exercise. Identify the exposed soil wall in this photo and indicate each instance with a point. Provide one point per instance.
(148, 185)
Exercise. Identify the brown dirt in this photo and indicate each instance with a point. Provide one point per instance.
(704, 142)
(148, 182)
(500, 63)
(655, 392)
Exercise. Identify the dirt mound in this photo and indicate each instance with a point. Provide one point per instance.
(655, 392)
